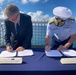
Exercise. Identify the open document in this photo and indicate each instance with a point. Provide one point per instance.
(53, 53)
(7, 54)
(69, 52)
(26, 52)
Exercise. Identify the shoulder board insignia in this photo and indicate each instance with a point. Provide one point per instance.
(72, 18)
(51, 21)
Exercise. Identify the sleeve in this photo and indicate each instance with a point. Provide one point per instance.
(7, 34)
(27, 42)
(49, 30)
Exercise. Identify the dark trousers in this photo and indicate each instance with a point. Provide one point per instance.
(55, 43)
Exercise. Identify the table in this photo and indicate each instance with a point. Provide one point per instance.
(38, 65)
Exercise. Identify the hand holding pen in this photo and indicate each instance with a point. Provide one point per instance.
(47, 47)
(9, 48)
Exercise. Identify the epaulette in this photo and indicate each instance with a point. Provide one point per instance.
(51, 21)
(72, 18)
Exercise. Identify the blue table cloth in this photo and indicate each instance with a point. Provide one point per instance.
(39, 63)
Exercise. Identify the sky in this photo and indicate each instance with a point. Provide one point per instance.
(38, 9)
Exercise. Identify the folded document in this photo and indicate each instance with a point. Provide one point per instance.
(68, 60)
(11, 60)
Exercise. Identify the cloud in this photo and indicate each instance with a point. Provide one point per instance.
(24, 1)
(38, 16)
(34, 1)
(2, 14)
(1, 1)
(21, 12)
(27, 1)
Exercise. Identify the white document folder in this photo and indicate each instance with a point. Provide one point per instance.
(53, 53)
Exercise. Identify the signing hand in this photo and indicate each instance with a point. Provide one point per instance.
(9, 48)
(47, 48)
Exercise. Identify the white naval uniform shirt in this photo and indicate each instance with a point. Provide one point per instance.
(63, 32)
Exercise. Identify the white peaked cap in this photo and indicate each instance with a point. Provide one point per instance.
(62, 12)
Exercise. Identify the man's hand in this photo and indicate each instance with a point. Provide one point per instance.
(47, 47)
(20, 48)
(9, 48)
(61, 48)
(47, 41)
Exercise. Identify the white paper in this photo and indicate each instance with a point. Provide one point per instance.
(8, 54)
(53, 53)
(69, 52)
(27, 52)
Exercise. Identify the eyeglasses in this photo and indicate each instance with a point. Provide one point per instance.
(15, 18)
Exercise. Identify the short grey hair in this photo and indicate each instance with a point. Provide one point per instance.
(11, 9)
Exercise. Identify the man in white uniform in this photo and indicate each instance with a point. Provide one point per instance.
(61, 30)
